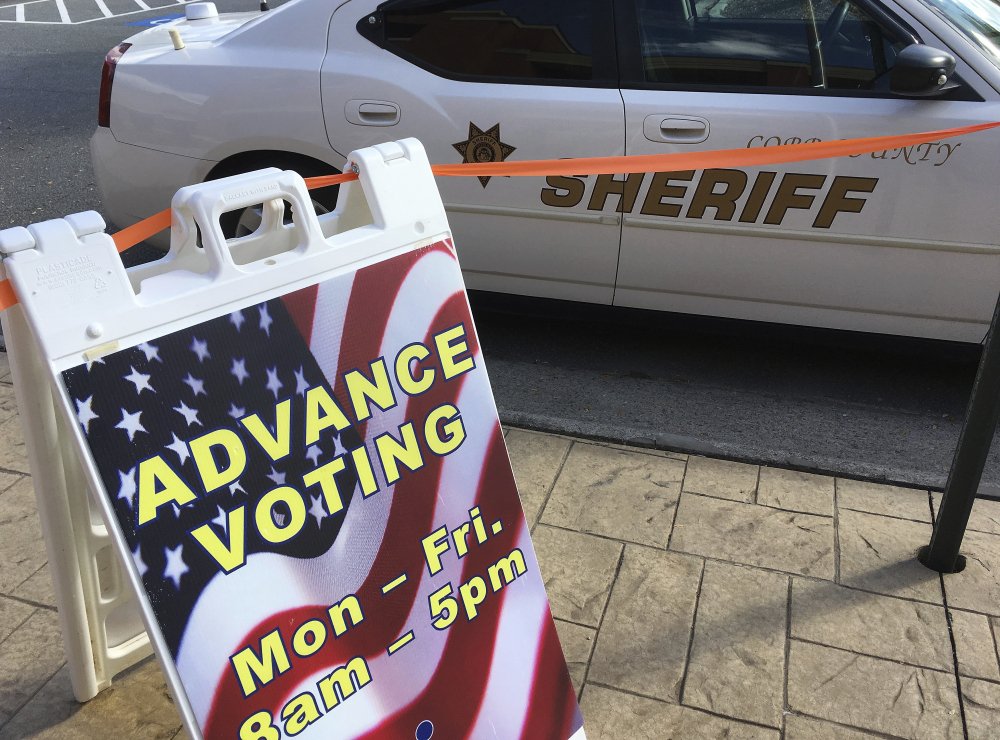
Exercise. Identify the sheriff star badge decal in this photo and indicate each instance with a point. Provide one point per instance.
(483, 146)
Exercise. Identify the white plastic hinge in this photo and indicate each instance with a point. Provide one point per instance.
(86, 223)
(390, 150)
(16, 239)
(399, 185)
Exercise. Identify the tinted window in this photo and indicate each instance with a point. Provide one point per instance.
(765, 43)
(979, 20)
(530, 39)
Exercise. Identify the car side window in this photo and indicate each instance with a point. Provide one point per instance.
(516, 40)
(827, 44)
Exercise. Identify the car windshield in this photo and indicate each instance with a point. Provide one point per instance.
(979, 20)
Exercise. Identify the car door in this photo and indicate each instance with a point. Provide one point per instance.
(898, 241)
(482, 81)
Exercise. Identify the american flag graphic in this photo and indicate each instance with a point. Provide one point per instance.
(501, 675)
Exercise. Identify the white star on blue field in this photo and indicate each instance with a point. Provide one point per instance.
(154, 398)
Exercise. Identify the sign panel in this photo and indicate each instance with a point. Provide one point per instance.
(317, 498)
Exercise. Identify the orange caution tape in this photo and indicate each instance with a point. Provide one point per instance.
(675, 162)
(7, 296)
(324, 181)
(141, 231)
(718, 158)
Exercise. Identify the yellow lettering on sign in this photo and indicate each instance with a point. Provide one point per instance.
(255, 670)
(450, 344)
(276, 445)
(322, 412)
(309, 638)
(159, 485)
(231, 556)
(258, 726)
(343, 682)
(325, 475)
(270, 529)
(363, 467)
(450, 435)
(391, 452)
(299, 713)
(364, 391)
(347, 608)
(408, 381)
(435, 545)
(212, 475)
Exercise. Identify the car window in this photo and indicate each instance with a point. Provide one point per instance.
(765, 43)
(529, 40)
(978, 20)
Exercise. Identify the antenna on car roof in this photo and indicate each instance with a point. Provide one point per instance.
(264, 7)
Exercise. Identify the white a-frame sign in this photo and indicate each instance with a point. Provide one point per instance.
(290, 441)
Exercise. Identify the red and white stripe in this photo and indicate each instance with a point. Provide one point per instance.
(480, 674)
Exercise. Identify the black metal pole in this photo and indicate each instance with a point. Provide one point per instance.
(970, 459)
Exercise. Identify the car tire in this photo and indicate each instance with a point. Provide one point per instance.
(245, 221)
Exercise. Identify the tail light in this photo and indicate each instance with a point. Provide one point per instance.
(107, 79)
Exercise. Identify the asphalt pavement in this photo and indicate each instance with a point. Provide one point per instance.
(875, 408)
(879, 409)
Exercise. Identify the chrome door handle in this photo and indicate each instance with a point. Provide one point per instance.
(662, 127)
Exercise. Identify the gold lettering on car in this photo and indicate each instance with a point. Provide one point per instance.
(483, 146)
(717, 195)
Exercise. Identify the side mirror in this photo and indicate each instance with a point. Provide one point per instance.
(922, 71)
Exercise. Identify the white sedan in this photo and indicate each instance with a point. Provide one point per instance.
(902, 241)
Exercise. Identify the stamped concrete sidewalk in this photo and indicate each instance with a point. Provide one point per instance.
(695, 598)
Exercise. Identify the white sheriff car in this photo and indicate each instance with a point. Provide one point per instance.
(902, 241)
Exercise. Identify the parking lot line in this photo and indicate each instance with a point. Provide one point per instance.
(67, 9)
